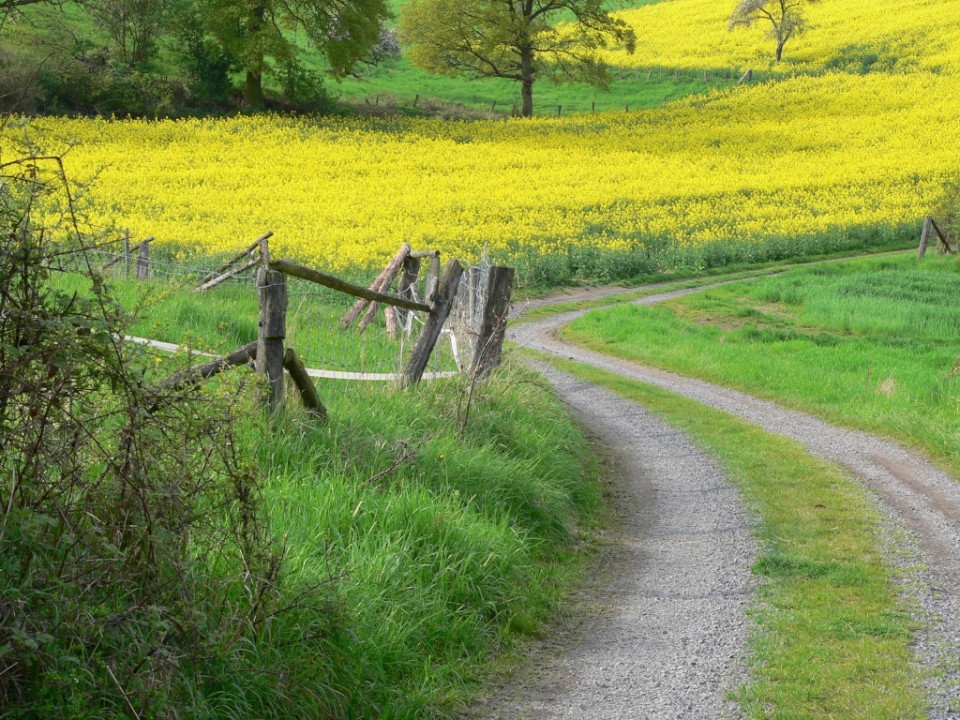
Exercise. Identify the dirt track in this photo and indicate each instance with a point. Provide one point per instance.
(917, 498)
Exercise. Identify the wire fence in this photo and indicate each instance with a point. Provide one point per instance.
(173, 316)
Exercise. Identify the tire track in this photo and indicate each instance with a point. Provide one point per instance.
(921, 501)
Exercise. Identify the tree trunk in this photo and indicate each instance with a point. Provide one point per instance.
(526, 80)
(780, 49)
(253, 89)
(253, 85)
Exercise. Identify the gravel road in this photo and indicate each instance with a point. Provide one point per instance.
(651, 654)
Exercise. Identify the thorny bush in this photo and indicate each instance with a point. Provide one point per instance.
(135, 567)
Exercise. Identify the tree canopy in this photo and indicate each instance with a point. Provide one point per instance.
(251, 30)
(521, 40)
(786, 18)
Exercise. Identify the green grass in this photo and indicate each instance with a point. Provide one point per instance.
(870, 343)
(832, 640)
(225, 318)
(426, 572)
(679, 280)
(400, 83)
(437, 565)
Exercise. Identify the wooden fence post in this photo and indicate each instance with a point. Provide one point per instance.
(925, 236)
(445, 295)
(433, 276)
(143, 260)
(943, 245)
(407, 288)
(473, 290)
(493, 325)
(126, 253)
(389, 272)
(308, 391)
(272, 329)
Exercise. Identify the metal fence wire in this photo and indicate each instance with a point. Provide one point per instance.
(333, 355)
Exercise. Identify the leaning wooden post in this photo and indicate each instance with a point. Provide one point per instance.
(143, 260)
(925, 236)
(308, 391)
(943, 245)
(445, 295)
(272, 288)
(493, 324)
(377, 286)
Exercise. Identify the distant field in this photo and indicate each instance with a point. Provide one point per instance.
(845, 35)
(836, 150)
(802, 165)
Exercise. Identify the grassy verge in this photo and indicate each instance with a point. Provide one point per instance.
(869, 343)
(832, 639)
(436, 565)
(429, 539)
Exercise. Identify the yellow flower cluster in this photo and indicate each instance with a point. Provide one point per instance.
(889, 34)
(809, 154)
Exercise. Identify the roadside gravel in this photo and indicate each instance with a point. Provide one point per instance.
(670, 638)
(921, 502)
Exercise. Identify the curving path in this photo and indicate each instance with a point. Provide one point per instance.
(650, 656)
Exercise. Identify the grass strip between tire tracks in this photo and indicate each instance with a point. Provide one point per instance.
(832, 638)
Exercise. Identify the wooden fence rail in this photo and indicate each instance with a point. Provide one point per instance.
(304, 273)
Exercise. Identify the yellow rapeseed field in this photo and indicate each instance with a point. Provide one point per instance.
(810, 157)
(898, 35)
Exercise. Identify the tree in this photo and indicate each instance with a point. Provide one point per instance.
(251, 30)
(786, 18)
(514, 39)
(134, 26)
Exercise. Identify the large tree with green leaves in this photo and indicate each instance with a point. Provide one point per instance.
(522, 40)
(253, 30)
(786, 18)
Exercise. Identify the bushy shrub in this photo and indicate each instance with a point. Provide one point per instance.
(95, 84)
(137, 574)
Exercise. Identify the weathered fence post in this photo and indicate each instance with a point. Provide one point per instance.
(126, 253)
(308, 391)
(493, 325)
(388, 273)
(143, 260)
(433, 277)
(473, 289)
(943, 245)
(443, 301)
(272, 289)
(407, 288)
(925, 236)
